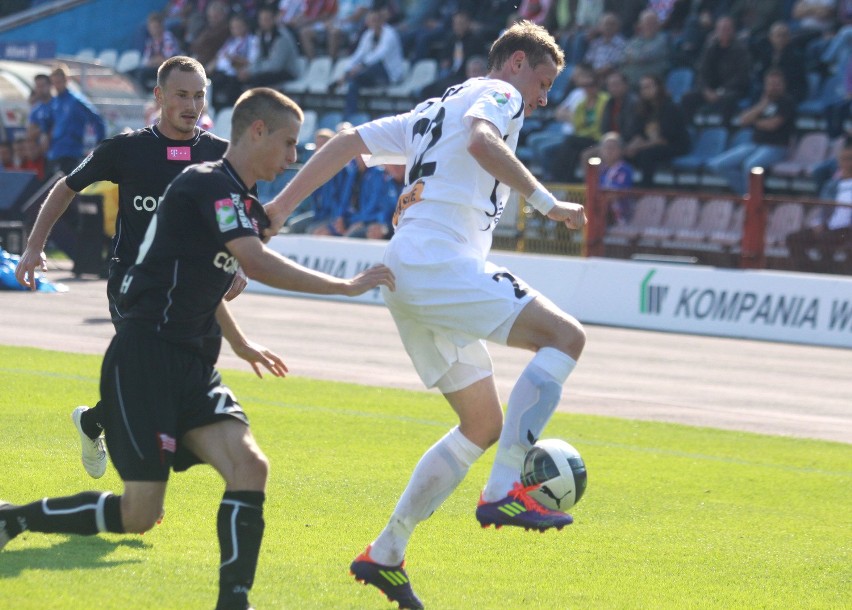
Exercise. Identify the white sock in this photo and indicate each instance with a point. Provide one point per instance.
(436, 475)
(531, 405)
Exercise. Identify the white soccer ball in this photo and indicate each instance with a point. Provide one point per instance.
(559, 471)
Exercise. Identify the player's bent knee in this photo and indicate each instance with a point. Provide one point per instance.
(139, 519)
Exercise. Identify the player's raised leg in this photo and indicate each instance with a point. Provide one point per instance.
(230, 448)
(558, 340)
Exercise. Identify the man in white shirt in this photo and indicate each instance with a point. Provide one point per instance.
(458, 152)
(833, 229)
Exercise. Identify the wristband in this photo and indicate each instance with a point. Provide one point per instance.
(542, 200)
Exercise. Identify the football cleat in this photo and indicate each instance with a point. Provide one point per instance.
(93, 452)
(390, 580)
(6, 532)
(520, 510)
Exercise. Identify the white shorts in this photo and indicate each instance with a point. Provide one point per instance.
(448, 301)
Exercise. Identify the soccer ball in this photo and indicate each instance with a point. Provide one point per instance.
(559, 471)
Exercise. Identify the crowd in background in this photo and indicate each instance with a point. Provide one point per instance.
(749, 65)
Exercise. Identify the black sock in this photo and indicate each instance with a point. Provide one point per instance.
(240, 520)
(90, 421)
(86, 514)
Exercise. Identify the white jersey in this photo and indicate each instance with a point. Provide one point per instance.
(445, 185)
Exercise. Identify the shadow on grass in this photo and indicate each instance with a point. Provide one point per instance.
(73, 553)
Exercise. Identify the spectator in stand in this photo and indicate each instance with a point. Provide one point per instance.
(534, 10)
(160, 44)
(560, 160)
(837, 113)
(619, 115)
(65, 125)
(338, 31)
(814, 17)
(454, 50)
(277, 53)
(773, 120)
(39, 110)
(616, 174)
(723, 75)
(303, 216)
(489, 17)
(689, 38)
(570, 20)
(213, 34)
(777, 52)
(241, 50)
(175, 16)
(378, 193)
(377, 60)
(606, 50)
(299, 14)
(334, 207)
(646, 53)
(33, 158)
(660, 132)
(425, 24)
(833, 229)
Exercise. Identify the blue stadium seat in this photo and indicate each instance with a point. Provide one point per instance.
(710, 142)
(678, 82)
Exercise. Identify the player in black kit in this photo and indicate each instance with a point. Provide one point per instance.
(142, 163)
(165, 407)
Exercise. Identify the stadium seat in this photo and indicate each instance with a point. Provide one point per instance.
(330, 120)
(709, 143)
(222, 126)
(729, 238)
(422, 73)
(359, 118)
(681, 213)
(648, 213)
(715, 216)
(87, 54)
(309, 126)
(128, 60)
(108, 57)
(315, 76)
(811, 111)
(678, 82)
(808, 152)
(338, 70)
(783, 220)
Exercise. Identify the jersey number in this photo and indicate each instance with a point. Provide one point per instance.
(434, 127)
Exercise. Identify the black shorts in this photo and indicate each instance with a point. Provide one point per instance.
(153, 392)
(116, 276)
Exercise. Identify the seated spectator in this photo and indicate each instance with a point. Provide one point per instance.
(615, 175)
(175, 16)
(378, 192)
(646, 53)
(833, 229)
(489, 17)
(772, 119)
(697, 26)
(334, 207)
(241, 50)
(212, 33)
(338, 31)
(454, 51)
(777, 52)
(277, 53)
(660, 133)
(39, 110)
(570, 21)
(838, 112)
(160, 44)
(606, 49)
(299, 14)
(619, 114)
(302, 217)
(377, 60)
(33, 158)
(560, 160)
(723, 75)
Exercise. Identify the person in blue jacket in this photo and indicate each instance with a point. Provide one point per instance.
(380, 190)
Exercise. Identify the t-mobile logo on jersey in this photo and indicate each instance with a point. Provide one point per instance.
(179, 153)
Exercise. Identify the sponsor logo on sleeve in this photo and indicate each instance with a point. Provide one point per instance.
(240, 207)
(502, 97)
(226, 215)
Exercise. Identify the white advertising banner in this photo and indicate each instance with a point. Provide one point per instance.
(770, 305)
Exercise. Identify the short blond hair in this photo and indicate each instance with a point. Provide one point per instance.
(535, 41)
(265, 104)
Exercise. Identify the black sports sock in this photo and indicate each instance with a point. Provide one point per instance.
(86, 514)
(90, 421)
(240, 521)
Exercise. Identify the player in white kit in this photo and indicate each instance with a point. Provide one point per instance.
(460, 163)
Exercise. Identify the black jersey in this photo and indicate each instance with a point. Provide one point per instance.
(142, 163)
(184, 268)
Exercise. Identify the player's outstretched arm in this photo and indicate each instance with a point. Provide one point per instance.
(266, 266)
(486, 145)
(54, 206)
(319, 169)
(253, 353)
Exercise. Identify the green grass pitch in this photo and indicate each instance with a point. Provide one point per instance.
(674, 516)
